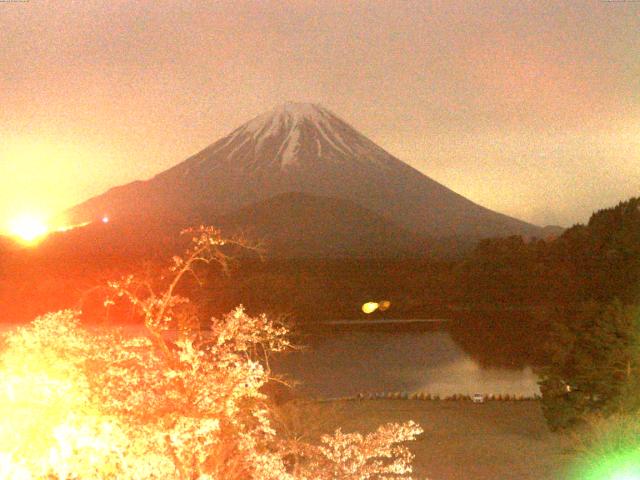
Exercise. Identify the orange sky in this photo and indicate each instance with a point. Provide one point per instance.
(531, 108)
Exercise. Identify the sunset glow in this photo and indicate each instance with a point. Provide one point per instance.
(42, 177)
(28, 228)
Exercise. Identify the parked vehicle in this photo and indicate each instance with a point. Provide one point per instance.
(477, 398)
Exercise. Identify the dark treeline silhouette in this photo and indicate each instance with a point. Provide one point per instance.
(543, 287)
(598, 261)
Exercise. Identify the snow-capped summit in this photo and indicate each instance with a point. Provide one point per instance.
(302, 147)
(294, 123)
(292, 134)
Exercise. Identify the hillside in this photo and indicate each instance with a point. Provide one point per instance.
(301, 225)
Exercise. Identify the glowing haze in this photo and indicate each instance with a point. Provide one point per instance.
(528, 108)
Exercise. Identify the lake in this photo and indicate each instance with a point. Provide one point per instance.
(354, 361)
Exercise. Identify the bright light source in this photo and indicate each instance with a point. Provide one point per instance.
(624, 476)
(370, 307)
(618, 465)
(105, 219)
(28, 228)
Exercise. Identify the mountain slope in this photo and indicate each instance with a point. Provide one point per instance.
(302, 148)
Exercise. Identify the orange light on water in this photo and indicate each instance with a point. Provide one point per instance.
(28, 228)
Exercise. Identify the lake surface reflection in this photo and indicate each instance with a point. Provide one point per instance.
(351, 362)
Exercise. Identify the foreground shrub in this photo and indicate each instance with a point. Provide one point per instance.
(356, 456)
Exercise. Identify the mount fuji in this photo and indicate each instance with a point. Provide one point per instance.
(307, 150)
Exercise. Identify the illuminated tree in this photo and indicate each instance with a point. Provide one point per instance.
(177, 402)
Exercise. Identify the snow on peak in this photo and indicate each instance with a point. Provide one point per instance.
(295, 134)
(287, 120)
